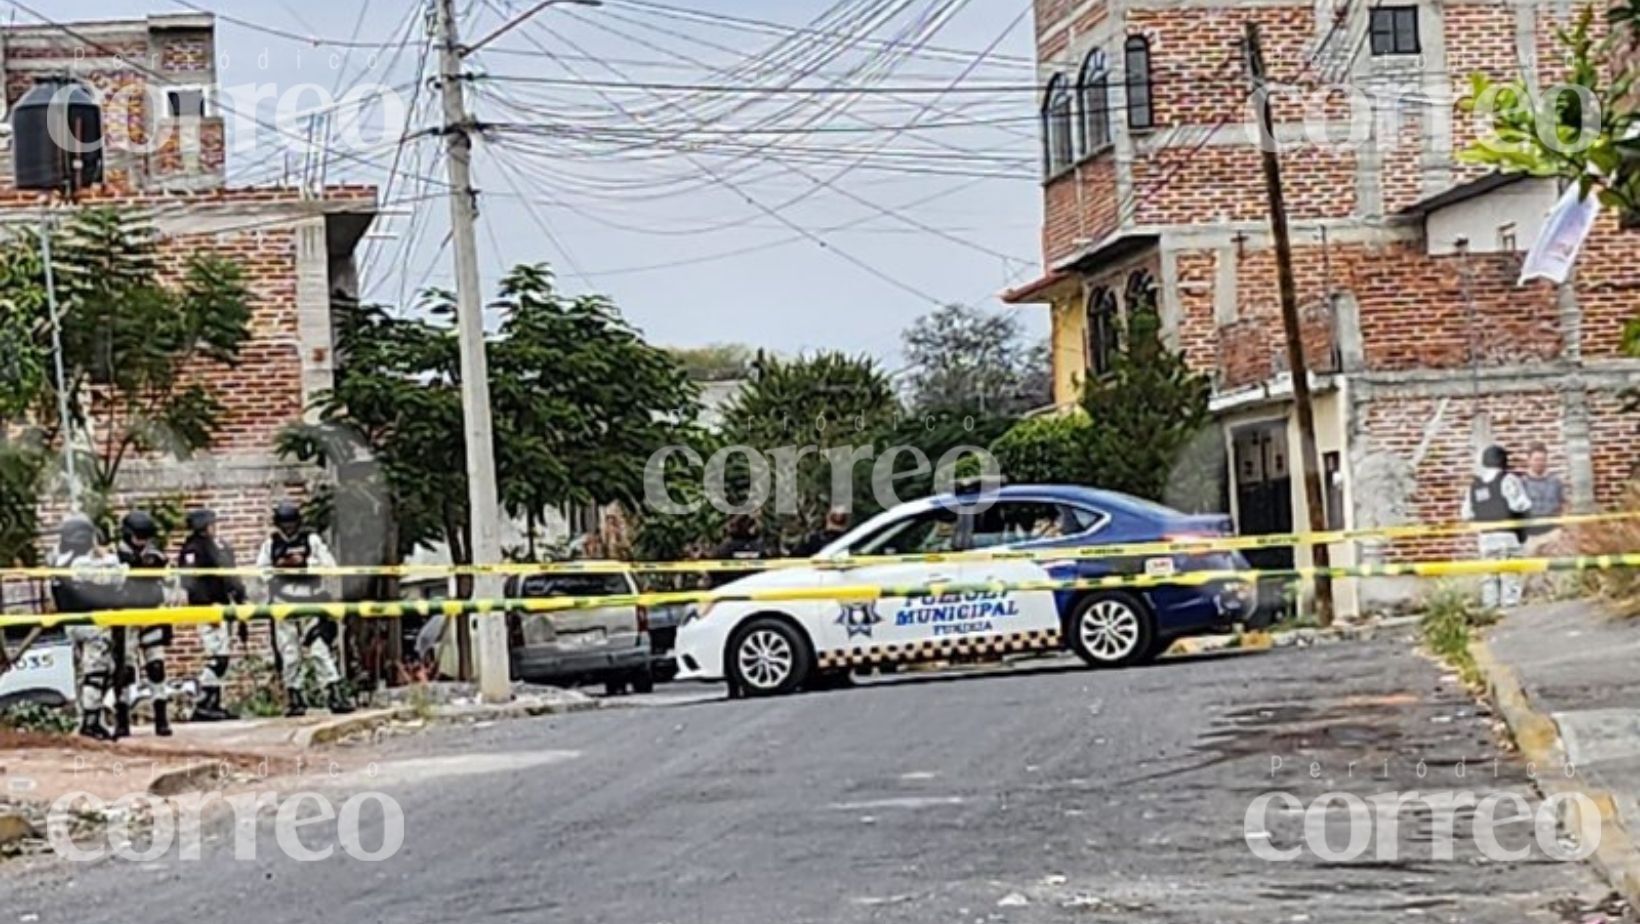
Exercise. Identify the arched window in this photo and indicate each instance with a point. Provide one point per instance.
(1141, 115)
(1093, 88)
(1057, 144)
(1141, 292)
(1103, 331)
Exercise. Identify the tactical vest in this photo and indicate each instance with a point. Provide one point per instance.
(1487, 502)
(293, 552)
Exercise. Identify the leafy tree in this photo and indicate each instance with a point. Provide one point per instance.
(1144, 414)
(580, 403)
(1545, 136)
(134, 332)
(794, 411)
(1051, 449)
(968, 360)
(718, 362)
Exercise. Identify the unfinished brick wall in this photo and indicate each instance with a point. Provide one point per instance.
(1081, 206)
(121, 69)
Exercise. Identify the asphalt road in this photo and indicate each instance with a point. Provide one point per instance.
(1046, 794)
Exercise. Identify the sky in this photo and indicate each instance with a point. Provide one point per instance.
(723, 179)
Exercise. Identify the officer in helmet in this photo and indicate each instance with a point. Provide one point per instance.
(292, 549)
(139, 548)
(94, 586)
(203, 550)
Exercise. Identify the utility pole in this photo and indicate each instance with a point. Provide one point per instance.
(1300, 370)
(64, 424)
(495, 681)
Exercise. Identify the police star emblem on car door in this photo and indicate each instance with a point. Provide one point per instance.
(859, 618)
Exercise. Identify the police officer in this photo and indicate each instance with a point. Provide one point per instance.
(294, 547)
(1497, 495)
(139, 548)
(96, 587)
(202, 549)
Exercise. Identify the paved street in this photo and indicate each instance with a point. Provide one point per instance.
(1043, 794)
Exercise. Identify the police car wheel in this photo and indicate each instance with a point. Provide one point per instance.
(1111, 630)
(768, 658)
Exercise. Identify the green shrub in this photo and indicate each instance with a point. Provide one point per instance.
(1045, 450)
(34, 717)
(1450, 611)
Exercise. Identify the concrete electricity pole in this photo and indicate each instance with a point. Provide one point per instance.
(1310, 456)
(495, 681)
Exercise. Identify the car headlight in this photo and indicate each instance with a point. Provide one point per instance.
(695, 613)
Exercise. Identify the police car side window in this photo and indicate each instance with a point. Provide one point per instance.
(1015, 522)
(929, 531)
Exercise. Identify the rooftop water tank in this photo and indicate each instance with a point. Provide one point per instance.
(57, 136)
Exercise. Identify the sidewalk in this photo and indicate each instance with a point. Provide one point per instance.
(35, 770)
(1566, 677)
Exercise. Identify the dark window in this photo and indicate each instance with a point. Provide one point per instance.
(1332, 468)
(1058, 146)
(929, 531)
(1140, 113)
(576, 585)
(1103, 334)
(186, 102)
(1394, 30)
(1017, 522)
(1094, 90)
(1141, 292)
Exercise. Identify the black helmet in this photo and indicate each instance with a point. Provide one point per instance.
(1495, 457)
(200, 520)
(138, 526)
(286, 515)
(77, 534)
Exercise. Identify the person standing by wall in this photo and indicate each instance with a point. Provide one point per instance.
(1497, 495)
(1547, 492)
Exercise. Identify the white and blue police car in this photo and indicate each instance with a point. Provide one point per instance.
(782, 646)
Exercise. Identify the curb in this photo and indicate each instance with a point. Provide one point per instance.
(1265, 639)
(334, 730)
(206, 775)
(1538, 737)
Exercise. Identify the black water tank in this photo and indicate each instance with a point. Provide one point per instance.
(39, 161)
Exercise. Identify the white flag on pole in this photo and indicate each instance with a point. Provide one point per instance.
(1562, 237)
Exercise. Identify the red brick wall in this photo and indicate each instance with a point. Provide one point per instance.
(1608, 286)
(1400, 426)
(1198, 330)
(1081, 205)
(1176, 185)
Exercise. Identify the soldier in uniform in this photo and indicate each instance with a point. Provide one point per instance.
(139, 548)
(202, 549)
(95, 588)
(294, 547)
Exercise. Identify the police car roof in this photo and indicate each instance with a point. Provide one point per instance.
(1079, 495)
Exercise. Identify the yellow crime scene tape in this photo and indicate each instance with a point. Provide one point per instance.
(1190, 545)
(204, 615)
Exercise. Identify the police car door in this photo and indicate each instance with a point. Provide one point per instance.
(894, 627)
(1033, 615)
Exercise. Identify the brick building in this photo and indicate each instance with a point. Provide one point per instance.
(165, 156)
(1422, 347)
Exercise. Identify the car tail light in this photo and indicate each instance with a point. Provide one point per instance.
(643, 619)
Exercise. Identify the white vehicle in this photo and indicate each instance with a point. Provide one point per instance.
(44, 675)
(764, 648)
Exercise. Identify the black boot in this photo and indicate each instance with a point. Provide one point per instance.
(162, 718)
(209, 708)
(122, 720)
(91, 727)
(295, 703)
(338, 702)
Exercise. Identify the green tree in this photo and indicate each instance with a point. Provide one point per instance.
(971, 361)
(580, 403)
(1560, 135)
(793, 411)
(1144, 414)
(134, 333)
(717, 362)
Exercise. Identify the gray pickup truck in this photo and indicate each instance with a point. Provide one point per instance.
(607, 644)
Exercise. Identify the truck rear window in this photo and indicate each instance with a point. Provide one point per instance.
(576, 585)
